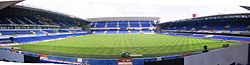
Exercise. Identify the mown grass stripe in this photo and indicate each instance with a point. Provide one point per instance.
(111, 46)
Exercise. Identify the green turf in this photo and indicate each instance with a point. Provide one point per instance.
(111, 46)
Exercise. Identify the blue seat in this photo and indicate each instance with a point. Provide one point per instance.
(134, 24)
(5, 41)
(134, 31)
(123, 32)
(145, 23)
(38, 32)
(50, 31)
(111, 32)
(123, 24)
(100, 24)
(63, 31)
(8, 32)
(112, 24)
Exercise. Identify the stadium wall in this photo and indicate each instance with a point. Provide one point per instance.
(7, 55)
(227, 56)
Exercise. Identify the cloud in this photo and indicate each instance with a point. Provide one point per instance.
(168, 10)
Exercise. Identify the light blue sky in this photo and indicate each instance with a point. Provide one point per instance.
(168, 10)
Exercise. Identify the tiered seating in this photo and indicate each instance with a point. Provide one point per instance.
(63, 31)
(152, 23)
(24, 40)
(93, 24)
(134, 24)
(121, 27)
(78, 31)
(8, 32)
(50, 31)
(211, 26)
(100, 24)
(38, 32)
(42, 38)
(123, 24)
(145, 24)
(134, 31)
(16, 21)
(99, 32)
(5, 41)
(26, 32)
(123, 32)
(234, 26)
(35, 32)
(111, 32)
(243, 27)
(112, 24)
(223, 23)
(206, 25)
(34, 21)
(23, 32)
(146, 31)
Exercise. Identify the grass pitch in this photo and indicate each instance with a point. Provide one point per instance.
(111, 46)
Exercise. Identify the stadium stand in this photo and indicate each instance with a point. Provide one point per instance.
(5, 41)
(17, 22)
(217, 24)
(18, 26)
(117, 24)
(120, 26)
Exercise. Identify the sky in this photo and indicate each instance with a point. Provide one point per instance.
(167, 10)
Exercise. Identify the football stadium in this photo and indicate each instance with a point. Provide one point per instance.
(35, 35)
